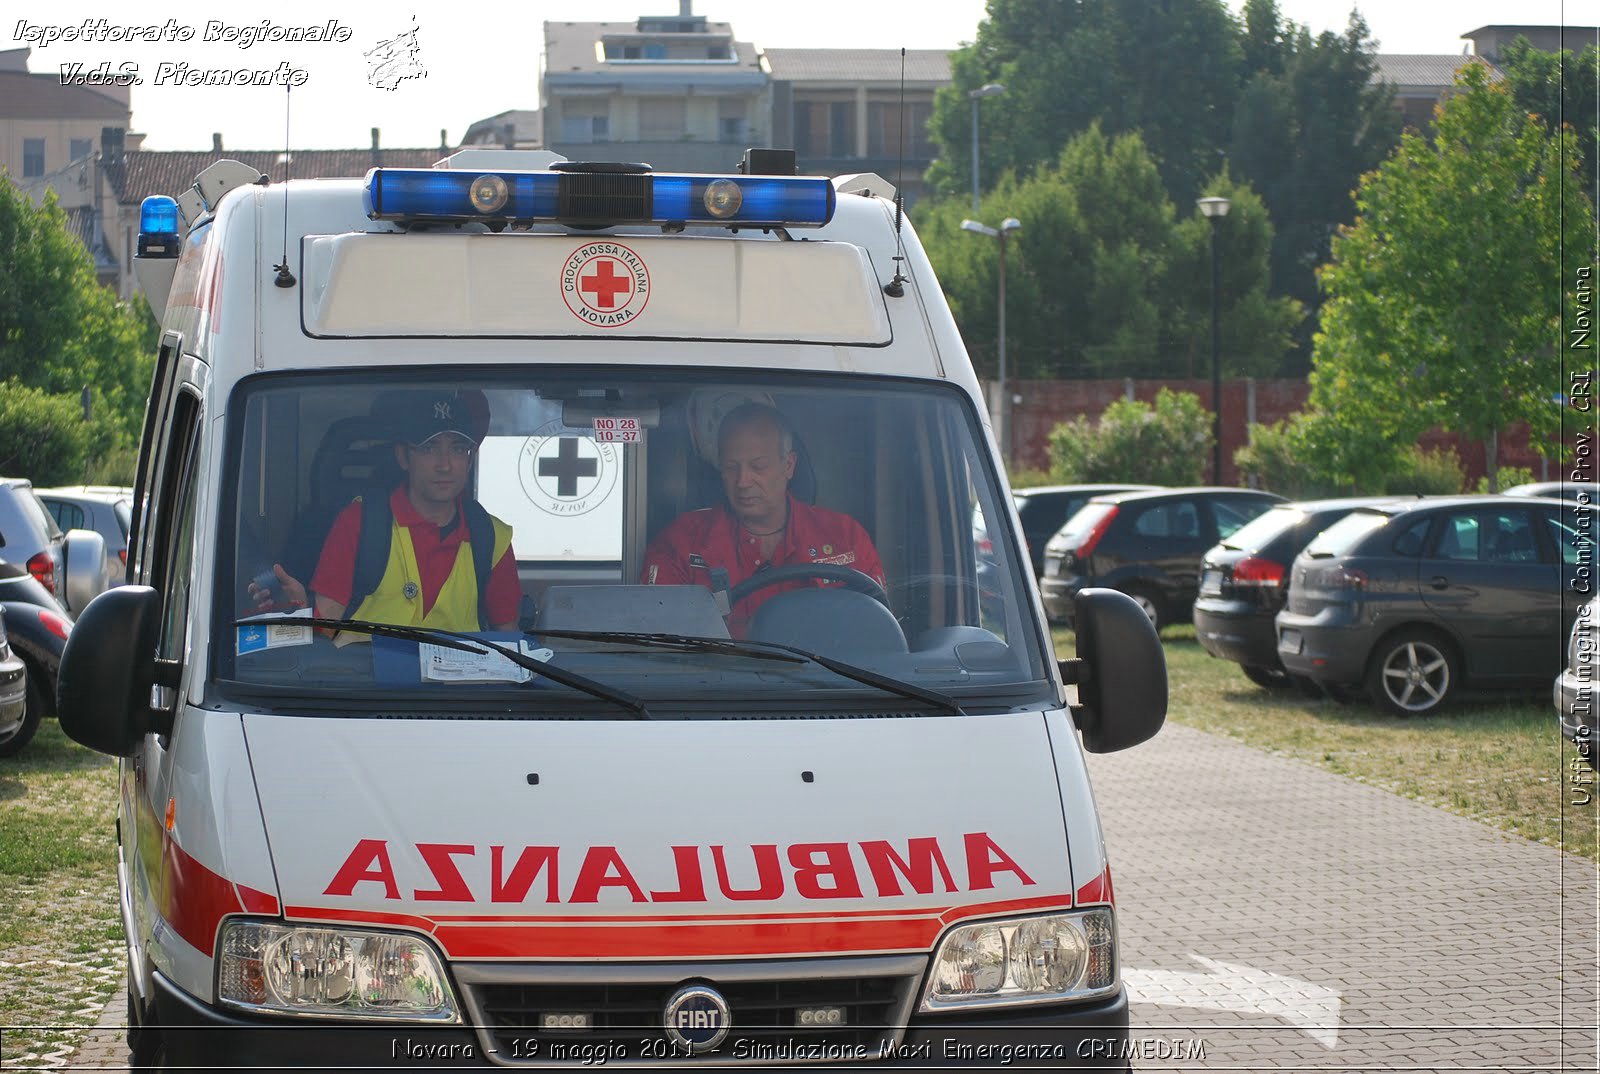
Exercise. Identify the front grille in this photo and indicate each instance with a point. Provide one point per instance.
(764, 1016)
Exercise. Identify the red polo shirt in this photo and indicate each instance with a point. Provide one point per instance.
(436, 550)
(696, 542)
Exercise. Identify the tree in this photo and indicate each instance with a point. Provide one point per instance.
(1310, 122)
(1559, 88)
(60, 330)
(1105, 278)
(1444, 298)
(1164, 445)
(1166, 68)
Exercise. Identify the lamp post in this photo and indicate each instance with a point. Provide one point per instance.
(993, 89)
(1214, 209)
(1003, 425)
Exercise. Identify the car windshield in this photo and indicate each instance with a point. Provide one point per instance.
(1344, 534)
(848, 519)
(1264, 529)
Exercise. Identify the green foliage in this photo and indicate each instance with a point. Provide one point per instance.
(1445, 297)
(1169, 70)
(60, 330)
(1292, 458)
(1105, 277)
(1029, 478)
(1296, 117)
(1507, 477)
(1277, 458)
(1558, 88)
(1164, 445)
(42, 436)
(1309, 123)
(1419, 472)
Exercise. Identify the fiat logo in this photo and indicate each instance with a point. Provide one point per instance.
(697, 1019)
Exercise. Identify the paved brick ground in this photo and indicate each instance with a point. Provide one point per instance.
(1450, 946)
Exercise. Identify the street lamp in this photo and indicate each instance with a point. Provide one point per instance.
(993, 89)
(1214, 209)
(1003, 426)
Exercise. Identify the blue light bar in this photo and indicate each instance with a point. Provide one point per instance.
(767, 200)
(597, 199)
(443, 195)
(158, 227)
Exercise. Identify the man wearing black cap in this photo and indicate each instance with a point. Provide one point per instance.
(432, 576)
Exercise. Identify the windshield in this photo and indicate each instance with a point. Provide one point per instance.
(568, 515)
(1264, 529)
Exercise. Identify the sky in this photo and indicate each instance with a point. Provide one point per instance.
(479, 61)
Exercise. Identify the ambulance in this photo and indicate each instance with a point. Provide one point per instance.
(627, 825)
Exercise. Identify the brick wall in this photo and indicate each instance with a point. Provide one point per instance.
(1046, 403)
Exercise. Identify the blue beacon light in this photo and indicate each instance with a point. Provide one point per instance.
(158, 227)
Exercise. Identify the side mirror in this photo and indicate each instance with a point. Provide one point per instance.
(1121, 672)
(108, 669)
(85, 569)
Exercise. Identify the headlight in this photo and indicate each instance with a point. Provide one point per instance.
(351, 973)
(1033, 960)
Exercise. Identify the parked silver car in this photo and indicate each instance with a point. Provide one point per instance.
(1577, 688)
(105, 509)
(71, 566)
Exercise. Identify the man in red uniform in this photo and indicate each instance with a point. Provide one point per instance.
(430, 577)
(761, 525)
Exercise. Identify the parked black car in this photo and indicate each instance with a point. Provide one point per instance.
(1045, 509)
(1577, 688)
(37, 627)
(1415, 599)
(16, 728)
(1145, 544)
(1244, 581)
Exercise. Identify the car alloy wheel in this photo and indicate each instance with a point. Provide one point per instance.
(1413, 674)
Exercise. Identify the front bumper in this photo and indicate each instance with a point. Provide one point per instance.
(1235, 630)
(1089, 1036)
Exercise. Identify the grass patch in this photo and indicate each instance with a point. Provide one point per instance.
(61, 949)
(1497, 758)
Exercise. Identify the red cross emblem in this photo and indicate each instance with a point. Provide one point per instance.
(604, 283)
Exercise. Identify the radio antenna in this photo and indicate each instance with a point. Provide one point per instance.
(285, 278)
(896, 287)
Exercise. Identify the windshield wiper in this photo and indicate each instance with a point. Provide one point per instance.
(452, 639)
(767, 650)
(688, 643)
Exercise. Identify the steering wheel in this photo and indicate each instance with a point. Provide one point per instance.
(833, 572)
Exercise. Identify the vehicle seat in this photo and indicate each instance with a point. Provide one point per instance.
(1515, 546)
(354, 458)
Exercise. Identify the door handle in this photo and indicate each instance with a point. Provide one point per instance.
(1440, 582)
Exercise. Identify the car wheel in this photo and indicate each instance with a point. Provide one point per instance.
(1267, 678)
(1412, 673)
(12, 744)
(1150, 604)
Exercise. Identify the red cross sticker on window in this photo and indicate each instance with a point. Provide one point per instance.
(605, 284)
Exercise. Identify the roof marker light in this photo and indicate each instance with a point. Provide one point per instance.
(158, 227)
(489, 193)
(723, 198)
